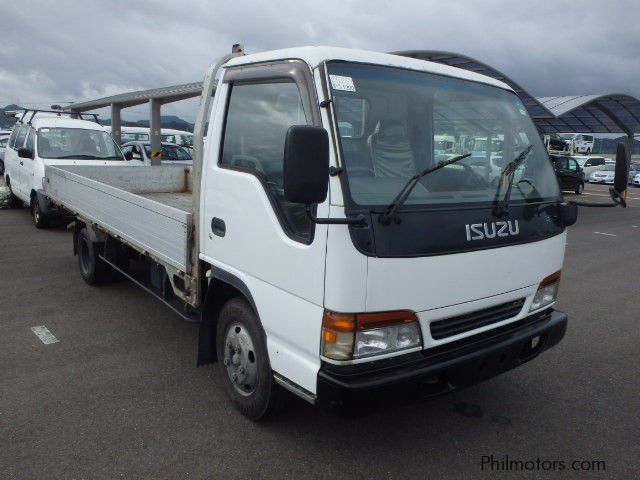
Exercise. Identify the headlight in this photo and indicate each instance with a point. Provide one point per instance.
(348, 336)
(547, 292)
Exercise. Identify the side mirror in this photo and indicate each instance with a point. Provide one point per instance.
(569, 214)
(306, 164)
(306, 171)
(622, 169)
(128, 155)
(25, 153)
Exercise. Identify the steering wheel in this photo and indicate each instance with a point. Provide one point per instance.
(247, 161)
(472, 174)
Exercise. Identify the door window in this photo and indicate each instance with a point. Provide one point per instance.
(12, 138)
(573, 165)
(22, 133)
(31, 140)
(258, 117)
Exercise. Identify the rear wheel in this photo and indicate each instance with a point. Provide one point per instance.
(39, 218)
(13, 202)
(92, 268)
(243, 361)
(579, 189)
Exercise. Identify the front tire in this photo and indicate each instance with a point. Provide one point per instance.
(243, 361)
(579, 189)
(39, 218)
(92, 268)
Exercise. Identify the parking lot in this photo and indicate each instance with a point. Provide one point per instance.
(119, 394)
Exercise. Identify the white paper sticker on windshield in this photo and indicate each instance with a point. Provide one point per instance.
(44, 130)
(339, 82)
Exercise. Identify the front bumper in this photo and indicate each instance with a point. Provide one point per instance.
(441, 369)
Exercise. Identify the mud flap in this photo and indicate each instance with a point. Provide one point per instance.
(206, 343)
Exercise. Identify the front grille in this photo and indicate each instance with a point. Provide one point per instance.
(470, 321)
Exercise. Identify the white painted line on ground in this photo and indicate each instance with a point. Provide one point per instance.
(634, 226)
(44, 334)
(607, 234)
(607, 196)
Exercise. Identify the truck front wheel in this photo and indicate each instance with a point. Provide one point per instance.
(92, 268)
(243, 361)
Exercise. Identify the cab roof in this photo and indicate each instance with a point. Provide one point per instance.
(52, 121)
(314, 56)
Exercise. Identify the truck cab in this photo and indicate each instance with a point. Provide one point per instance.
(449, 287)
(41, 139)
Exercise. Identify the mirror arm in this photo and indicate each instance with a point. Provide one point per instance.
(358, 221)
(617, 197)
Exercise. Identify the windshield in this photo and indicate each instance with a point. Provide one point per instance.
(608, 168)
(170, 152)
(395, 123)
(77, 143)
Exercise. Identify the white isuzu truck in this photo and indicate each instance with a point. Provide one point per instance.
(337, 264)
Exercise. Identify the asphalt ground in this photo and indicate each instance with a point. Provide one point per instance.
(119, 395)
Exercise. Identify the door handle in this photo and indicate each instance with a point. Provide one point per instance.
(218, 227)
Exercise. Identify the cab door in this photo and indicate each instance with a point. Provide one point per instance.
(17, 163)
(28, 165)
(252, 232)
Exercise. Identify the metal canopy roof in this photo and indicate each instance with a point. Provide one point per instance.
(165, 94)
(535, 108)
(613, 113)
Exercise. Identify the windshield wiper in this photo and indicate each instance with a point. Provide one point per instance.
(510, 171)
(402, 196)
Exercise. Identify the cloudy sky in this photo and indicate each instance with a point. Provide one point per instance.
(71, 50)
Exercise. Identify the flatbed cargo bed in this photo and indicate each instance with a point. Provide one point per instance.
(148, 208)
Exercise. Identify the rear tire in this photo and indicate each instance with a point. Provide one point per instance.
(92, 268)
(579, 189)
(39, 219)
(14, 202)
(243, 361)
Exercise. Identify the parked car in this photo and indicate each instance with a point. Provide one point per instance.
(554, 142)
(591, 164)
(51, 140)
(634, 169)
(569, 173)
(636, 181)
(604, 174)
(171, 153)
(141, 134)
(3, 145)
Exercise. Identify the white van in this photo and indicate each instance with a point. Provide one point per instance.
(591, 164)
(47, 139)
(578, 142)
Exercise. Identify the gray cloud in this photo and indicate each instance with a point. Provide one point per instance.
(77, 50)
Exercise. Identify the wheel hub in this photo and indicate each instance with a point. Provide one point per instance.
(240, 359)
